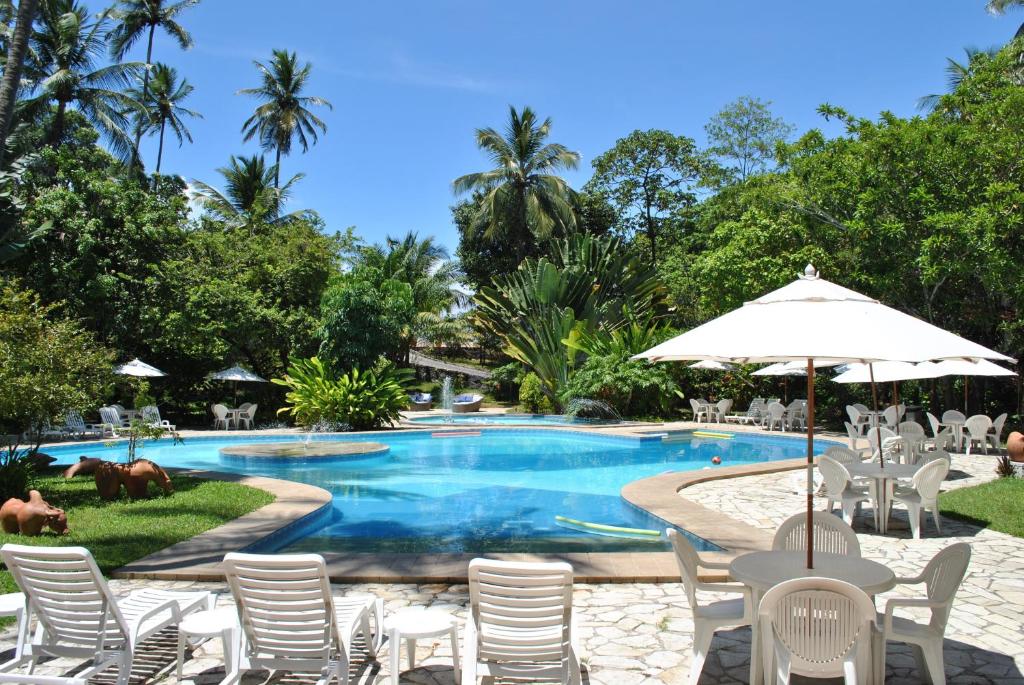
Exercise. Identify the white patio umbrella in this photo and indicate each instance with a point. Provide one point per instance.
(709, 365)
(812, 320)
(981, 367)
(887, 372)
(139, 369)
(798, 368)
(236, 374)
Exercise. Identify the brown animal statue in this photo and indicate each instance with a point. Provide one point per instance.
(86, 466)
(135, 477)
(29, 517)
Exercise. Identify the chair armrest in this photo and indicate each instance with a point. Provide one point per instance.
(906, 602)
(734, 588)
(717, 565)
(910, 581)
(171, 604)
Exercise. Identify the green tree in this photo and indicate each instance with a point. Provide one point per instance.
(649, 177)
(521, 199)
(251, 196)
(363, 318)
(137, 18)
(956, 72)
(17, 47)
(745, 134)
(68, 45)
(284, 114)
(163, 106)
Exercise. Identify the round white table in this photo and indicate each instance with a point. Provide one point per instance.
(881, 479)
(203, 625)
(413, 624)
(761, 571)
(13, 604)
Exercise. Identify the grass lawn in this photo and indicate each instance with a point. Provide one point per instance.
(122, 531)
(998, 504)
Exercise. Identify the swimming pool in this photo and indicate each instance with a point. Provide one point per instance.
(496, 490)
(507, 420)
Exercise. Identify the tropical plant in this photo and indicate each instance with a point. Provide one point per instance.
(17, 48)
(17, 471)
(589, 283)
(284, 114)
(363, 400)
(505, 381)
(251, 195)
(362, 320)
(956, 72)
(68, 46)
(744, 134)
(136, 18)
(15, 235)
(522, 197)
(1001, 6)
(531, 396)
(163, 106)
(1004, 467)
(632, 387)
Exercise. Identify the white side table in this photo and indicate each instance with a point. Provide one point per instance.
(413, 624)
(204, 625)
(13, 604)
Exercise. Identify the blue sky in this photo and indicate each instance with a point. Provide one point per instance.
(410, 81)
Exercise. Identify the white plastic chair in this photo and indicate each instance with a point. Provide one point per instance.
(923, 493)
(891, 416)
(944, 440)
(751, 416)
(220, 417)
(700, 410)
(520, 622)
(879, 432)
(151, 415)
(709, 617)
(859, 421)
(795, 417)
(995, 436)
(843, 455)
(831, 535)
(935, 455)
(933, 421)
(953, 416)
(817, 627)
(79, 618)
(977, 428)
(721, 409)
(942, 578)
(247, 416)
(76, 425)
(773, 416)
(913, 433)
(291, 622)
(853, 434)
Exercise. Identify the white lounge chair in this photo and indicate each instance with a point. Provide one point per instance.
(831, 535)
(942, 578)
(817, 627)
(110, 421)
(76, 426)
(291, 622)
(711, 616)
(923, 494)
(465, 404)
(751, 416)
(520, 623)
(977, 427)
(79, 618)
(151, 415)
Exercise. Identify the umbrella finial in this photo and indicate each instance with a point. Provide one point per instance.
(810, 272)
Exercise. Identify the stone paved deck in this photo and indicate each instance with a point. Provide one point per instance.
(639, 634)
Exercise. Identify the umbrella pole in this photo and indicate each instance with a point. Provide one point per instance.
(810, 463)
(878, 423)
(965, 394)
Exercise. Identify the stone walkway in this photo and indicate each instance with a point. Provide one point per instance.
(640, 634)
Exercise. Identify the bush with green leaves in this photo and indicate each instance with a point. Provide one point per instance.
(633, 387)
(531, 396)
(363, 400)
(17, 472)
(363, 318)
(504, 382)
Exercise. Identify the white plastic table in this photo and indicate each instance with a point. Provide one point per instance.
(881, 478)
(222, 623)
(13, 604)
(761, 571)
(413, 624)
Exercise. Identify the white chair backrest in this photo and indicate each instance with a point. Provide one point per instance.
(724, 406)
(938, 454)
(776, 410)
(74, 420)
(522, 611)
(852, 433)
(830, 533)
(695, 406)
(250, 411)
(933, 421)
(853, 413)
(978, 426)
(953, 415)
(284, 604)
(67, 594)
(820, 622)
(220, 411)
(891, 416)
(942, 577)
(771, 400)
(844, 455)
(862, 408)
(875, 433)
(911, 429)
(120, 410)
(755, 408)
(997, 425)
(110, 415)
(151, 414)
(689, 563)
(928, 479)
(244, 405)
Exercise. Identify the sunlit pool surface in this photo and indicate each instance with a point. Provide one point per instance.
(496, 491)
(507, 420)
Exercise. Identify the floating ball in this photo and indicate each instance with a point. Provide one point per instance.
(716, 460)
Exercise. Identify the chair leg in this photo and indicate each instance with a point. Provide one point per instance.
(914, 512)
(124, 669)
(936, 518)
(702, 635)
(848, 507)
(934, 670)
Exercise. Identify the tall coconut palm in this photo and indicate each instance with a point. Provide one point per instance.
(138, 18)
(249, 196)
(163, 107)
(1001, 6)
(284, 114)
(68, 46)
(17, 46)
(521, 194)
(956, 72)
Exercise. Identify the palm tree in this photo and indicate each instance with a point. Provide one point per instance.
(68, 45)
(521, 194)
(1001, 6)
(284, 113)
(956, 72)
(249, 195)
(163, 107)
(142, 17)
(16, 49)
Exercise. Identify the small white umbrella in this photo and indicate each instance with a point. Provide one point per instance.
(813, 320)
(981, 367)
(887, 372)
(709, 365)
(139, 369)
(789, 368)
(236, 374)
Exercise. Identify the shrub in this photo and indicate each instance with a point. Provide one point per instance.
(504, 382)
(361, 399)
(1004, 469)
(532, 398)
(632, 387)
(17, 471)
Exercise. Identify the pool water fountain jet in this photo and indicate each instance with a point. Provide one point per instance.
(586, 408)
(447, 397)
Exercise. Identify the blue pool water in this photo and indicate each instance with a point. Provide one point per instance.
(506, 420)
(496, 491)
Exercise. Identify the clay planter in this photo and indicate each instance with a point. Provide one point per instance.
(1015, 446)
(135, 477)
(28, 518)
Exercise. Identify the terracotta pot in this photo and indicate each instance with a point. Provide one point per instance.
(135, 477)
(86, 466)
(30, 517)
(1015, 446)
